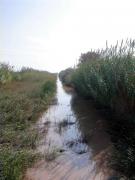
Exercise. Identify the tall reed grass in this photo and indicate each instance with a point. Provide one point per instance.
(109, 78)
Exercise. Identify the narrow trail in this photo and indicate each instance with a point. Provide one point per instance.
(74, 129)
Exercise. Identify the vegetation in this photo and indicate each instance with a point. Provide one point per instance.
(108, 77)
(51, 153)
(66, 76)
(7, 74)
(23, 96)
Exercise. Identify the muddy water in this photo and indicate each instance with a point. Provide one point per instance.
(73, 133)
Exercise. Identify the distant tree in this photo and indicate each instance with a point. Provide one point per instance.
(89, 56)
(26, 69)
(65, 76)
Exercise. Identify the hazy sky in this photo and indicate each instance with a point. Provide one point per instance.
(51, 34)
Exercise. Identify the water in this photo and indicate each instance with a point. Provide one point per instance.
(76, 130)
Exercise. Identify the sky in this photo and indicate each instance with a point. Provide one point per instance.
(51, 34)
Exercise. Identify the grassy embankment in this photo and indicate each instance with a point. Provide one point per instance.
(108, 77)
(23, 96)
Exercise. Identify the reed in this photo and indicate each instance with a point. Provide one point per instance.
(109, 78)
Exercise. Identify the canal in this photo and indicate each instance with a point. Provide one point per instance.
(74, 141)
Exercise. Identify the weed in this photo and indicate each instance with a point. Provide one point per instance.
(51, 154)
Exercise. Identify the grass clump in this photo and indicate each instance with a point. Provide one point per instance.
(47, 89)
(21, 104)
(51, 154)
(14, 163)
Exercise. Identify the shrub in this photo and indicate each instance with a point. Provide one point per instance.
(6, 73)
(48, 87)
(66, 76)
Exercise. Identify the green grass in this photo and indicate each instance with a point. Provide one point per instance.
(22, 100)
(14, 162)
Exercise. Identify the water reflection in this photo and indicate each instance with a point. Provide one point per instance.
(63, 130)
(74, 124)
(91, 124)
